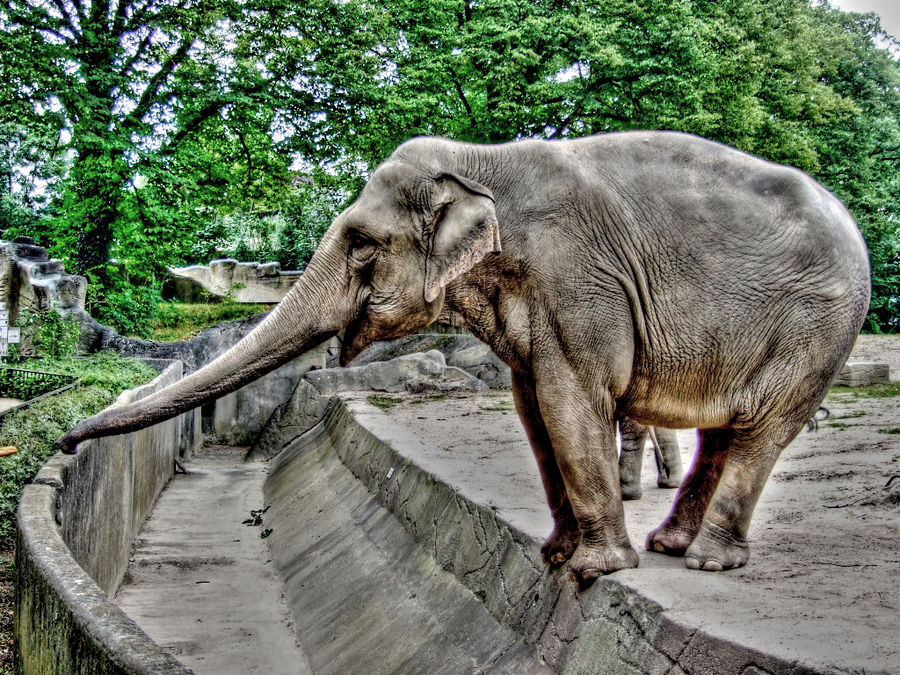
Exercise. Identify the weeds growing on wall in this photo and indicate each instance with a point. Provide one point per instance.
(49, 333)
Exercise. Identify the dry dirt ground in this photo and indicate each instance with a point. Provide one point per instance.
(824, 546)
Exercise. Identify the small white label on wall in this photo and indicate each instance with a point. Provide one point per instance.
(13, 334)
(390, 472)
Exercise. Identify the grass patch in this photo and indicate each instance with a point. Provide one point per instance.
(890, 430)
(839, 425)
(882, 390)
(383, 402)
(33, 430)
(850, 415)
(180, 321)
(428, 399)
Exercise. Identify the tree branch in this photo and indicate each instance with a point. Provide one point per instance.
(247, 154)
(465, 102)
(148, 98)
(142, 47)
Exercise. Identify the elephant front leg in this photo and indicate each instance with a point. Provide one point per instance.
(582, 435)
(564, 539)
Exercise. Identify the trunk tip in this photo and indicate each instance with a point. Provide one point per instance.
(66, 444)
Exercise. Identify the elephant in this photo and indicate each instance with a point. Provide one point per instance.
(665, 450)
(652, 275)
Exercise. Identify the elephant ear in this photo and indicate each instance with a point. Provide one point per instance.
(464, 232)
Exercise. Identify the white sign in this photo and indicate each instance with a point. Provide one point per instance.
(3, 333)
(2, 305)
(13, 335)
(4, 349)
(3, 321)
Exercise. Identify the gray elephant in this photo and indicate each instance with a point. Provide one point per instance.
(665, 450)
(653, 275)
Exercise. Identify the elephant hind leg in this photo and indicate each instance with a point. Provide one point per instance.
(680, 528)
(668, 458)
(721, 542)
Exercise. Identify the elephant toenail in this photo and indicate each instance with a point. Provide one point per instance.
(658, 547)
(692, 563)
(712, 566)
(557, 559)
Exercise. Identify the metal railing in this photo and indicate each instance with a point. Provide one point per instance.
(30, 386)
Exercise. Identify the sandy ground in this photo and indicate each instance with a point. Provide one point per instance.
(824, 570)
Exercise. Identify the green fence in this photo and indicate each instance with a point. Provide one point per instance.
(30, 385)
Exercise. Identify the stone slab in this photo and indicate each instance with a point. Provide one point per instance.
(863, 374)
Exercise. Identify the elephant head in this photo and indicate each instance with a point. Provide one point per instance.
(379, 273)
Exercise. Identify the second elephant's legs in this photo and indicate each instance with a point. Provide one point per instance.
(666, 452)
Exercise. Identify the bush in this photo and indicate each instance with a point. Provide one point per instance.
(33, 430)
(49, 333)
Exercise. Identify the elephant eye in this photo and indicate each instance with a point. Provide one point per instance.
(362, 249)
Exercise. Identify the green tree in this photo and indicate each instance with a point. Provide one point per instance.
(155, 88)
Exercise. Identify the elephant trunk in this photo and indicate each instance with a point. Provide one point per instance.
(315, 309)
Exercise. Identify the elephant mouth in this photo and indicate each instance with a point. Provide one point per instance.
(355, 340)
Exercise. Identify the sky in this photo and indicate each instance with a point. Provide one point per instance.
(888, 10)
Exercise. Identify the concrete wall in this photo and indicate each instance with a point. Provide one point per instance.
(76, 524)
(238, 418)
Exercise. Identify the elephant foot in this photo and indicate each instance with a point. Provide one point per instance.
(668, 482)
(560, 546)
(631, 490)
(590, 562)
(670, 539)
(715, 549)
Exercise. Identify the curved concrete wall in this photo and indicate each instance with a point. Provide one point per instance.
(76, 525)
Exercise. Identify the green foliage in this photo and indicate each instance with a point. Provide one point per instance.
(33, 430)
(288, 235)
(28, 385)
(180, 321)
(884, 390)
(384, 402)
(128, 306)
(166, 133)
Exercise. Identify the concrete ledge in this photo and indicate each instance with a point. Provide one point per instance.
(76, 523)
(608, 627)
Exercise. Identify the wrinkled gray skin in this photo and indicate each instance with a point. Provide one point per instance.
(665, 450)
(652, 275)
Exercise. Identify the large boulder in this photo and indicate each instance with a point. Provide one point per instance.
(460, 350)
(413, 373)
